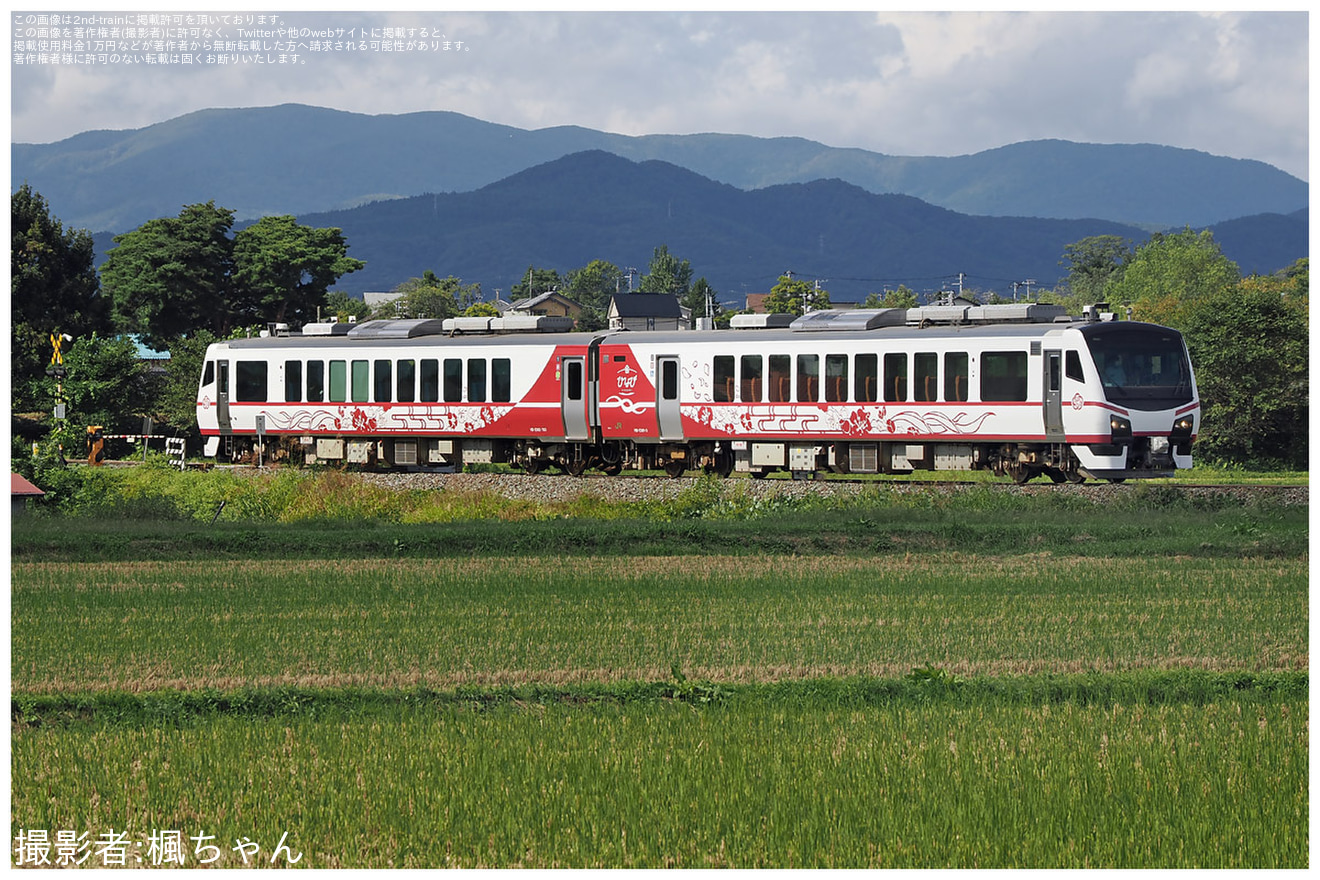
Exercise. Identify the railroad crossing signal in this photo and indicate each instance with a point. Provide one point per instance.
(56, 368)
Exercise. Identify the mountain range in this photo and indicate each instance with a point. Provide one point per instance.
(483, 201)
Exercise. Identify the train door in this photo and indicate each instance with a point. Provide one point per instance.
(668, 373)
(573, 397)
(1053, 396)
(222, 396)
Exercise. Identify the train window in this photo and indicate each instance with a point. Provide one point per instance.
(722, 389)
(405, 389)
(1072, 366)
(224, 377)
(836, 378)
(750, 392)
(781, 375)
(927, 385)
(315, 381)
(338, 381)
(574, 379)
(669, 380)
(808, 378)
(955, 376)
(867, 373)
(896, 373)
(384, 380)
(476, 372)
(293, 381)
(453, 380)
(250, 384)
(1004, 375)
(430, 380)
(501, 380)
(208, 376)
(361, 381)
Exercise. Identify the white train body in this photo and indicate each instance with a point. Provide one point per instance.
(847, 391)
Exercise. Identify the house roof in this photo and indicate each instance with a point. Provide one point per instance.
(646, 305)
(146, 352)
(20, 486)
(531, 302)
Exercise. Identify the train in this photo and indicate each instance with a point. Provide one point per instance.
(1023, 390)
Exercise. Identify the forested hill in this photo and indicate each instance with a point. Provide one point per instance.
(295, 159)
(596, 205)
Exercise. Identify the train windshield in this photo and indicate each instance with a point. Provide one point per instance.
(1142, 366)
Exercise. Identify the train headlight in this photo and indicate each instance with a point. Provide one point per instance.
(1182, 429)
(1120, 429)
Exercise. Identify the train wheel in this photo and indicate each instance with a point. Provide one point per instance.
(1055, 474)
(575, 466)
(612, 470)
(723, 463)
(675, 468)
(1020, 473)
(534, 465)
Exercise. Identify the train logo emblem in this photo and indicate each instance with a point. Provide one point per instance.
(627, 378)
(1077, 402)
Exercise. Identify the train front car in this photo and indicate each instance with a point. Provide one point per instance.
(1134, 409)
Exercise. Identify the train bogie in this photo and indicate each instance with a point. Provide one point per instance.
(865, 394)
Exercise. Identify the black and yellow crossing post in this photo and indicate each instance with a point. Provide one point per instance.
(57, 371)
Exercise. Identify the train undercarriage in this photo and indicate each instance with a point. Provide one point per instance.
(1020, 462)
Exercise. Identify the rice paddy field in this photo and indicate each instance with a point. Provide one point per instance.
(914, 701)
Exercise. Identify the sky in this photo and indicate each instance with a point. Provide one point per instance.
(920, 84)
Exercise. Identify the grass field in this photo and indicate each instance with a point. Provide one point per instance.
(399, 623)
(887, 691)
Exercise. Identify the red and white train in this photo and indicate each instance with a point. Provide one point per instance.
(1019, 389)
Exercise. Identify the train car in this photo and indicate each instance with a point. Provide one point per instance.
(1020, 390)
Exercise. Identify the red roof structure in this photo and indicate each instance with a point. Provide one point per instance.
(20, 487)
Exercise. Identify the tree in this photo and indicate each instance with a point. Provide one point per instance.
(593, 285)
(52, 287)
(283, 269)
(698, 295)
(667, 274)
(431, 297)
(903, 298)
(796, 297)
(481, 310)
(1093, 263)
(1169, 273)
(176, 275)
(176, 405)
(535, 282)
(170, 276)
(108, 385)
(342, 306)
(1249, 348)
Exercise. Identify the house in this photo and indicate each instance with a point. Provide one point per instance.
(375, 298)
(646, 311)
(550, 303)
(20, 492)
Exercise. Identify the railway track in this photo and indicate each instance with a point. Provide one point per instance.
(624, 487)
